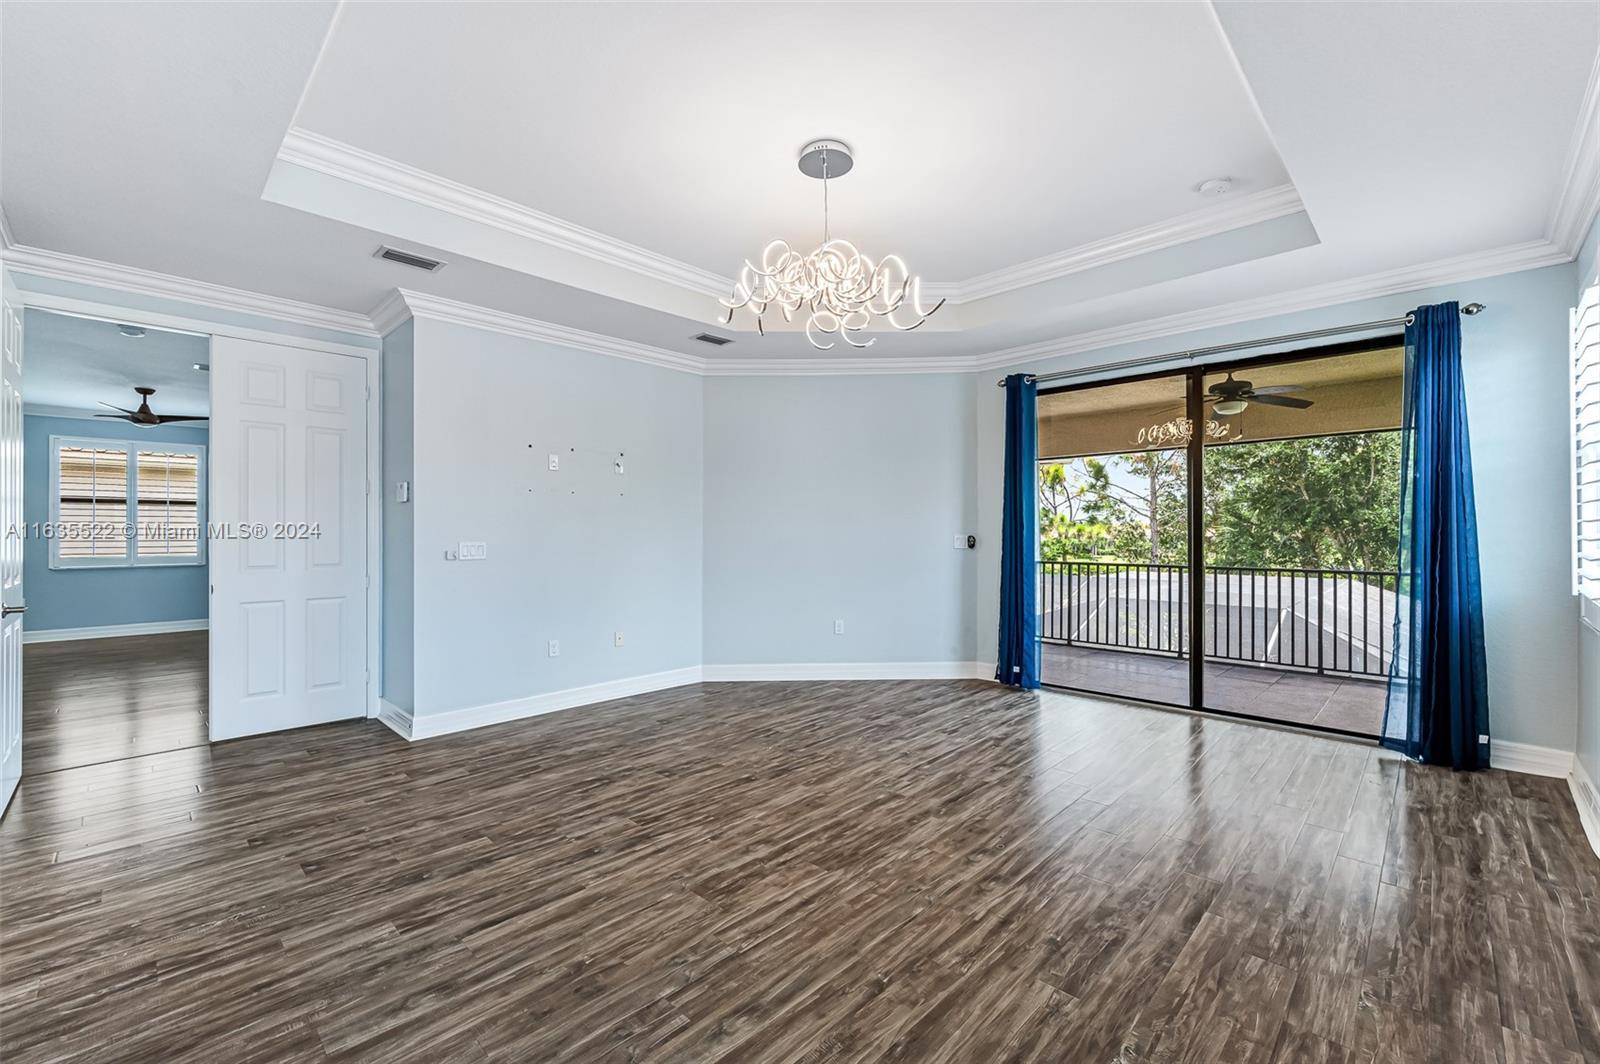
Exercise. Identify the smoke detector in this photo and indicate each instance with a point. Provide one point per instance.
(1215, 187)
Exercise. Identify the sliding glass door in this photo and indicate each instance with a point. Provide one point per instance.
(1114, 540)
(1256, 504)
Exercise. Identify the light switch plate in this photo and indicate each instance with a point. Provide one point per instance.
(402, 491)
(838, 627)
(473, 552)
(555, 648)
(616, 639)
(555, 461)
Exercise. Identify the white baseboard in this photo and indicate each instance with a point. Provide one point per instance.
(1531, 760)
(1587, 797)
(398, 720)
(427, 725)
(849, 670)
(113, 631)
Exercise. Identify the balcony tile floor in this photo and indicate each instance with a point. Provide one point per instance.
(1347, 704)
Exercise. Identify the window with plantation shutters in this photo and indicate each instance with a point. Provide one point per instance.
(118, 502)
(168, 504)
(1586, 450)
(92, 503)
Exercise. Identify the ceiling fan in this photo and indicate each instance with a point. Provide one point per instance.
(1230, 397)
(144, 416)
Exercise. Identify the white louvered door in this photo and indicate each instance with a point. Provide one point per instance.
(289, 569)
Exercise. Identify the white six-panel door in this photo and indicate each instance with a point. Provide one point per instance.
(289, 546)
(11, 523)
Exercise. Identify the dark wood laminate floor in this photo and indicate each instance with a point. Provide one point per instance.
(921, 872)
(85, 701)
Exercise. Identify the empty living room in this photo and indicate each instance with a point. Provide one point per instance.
(947, 533)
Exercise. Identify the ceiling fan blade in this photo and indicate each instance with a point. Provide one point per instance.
(167, 419)
(1279, 389)
(1280, 400)
(110, 406)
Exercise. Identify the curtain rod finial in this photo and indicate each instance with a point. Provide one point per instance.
(1473, 308)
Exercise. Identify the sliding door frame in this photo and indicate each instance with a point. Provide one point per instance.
(1194, 376)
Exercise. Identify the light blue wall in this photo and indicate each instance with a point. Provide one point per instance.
(399, 541)
(1588, 638)
(838, 498)
(1515, 356)
(87, 598)
(573, 555)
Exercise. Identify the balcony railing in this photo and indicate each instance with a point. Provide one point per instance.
(1338, 621)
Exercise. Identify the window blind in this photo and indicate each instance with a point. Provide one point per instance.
(1586, 449)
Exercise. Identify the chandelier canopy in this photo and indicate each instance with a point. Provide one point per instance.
(840, 290)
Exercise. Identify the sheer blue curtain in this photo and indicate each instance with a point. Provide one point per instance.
(1438, 700)
(1019, 539)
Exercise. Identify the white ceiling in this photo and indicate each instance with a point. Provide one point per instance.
(980, 132)
(78, 363)
(987, 135)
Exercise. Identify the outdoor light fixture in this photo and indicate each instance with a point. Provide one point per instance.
(841, 290)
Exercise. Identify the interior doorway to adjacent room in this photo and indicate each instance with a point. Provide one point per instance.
(116, 567)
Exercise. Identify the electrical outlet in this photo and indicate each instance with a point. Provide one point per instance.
(616, 639)
(838, 627)
(555, 461)
(555, 648)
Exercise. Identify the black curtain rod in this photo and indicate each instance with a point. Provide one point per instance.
(1201, 352)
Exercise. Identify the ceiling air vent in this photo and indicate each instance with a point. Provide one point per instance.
(406, 258)
(714, 341)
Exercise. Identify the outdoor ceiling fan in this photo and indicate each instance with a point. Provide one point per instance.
(146, 417)
(1230, 397)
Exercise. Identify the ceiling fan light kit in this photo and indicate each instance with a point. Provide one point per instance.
(841, 290)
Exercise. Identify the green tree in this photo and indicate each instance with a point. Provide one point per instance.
(1328, 502)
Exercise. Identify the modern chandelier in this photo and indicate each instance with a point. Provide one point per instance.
(841, 291)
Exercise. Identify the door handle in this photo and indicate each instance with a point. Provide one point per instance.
(6, 611)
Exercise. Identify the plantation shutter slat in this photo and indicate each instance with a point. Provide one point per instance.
(1586, 446)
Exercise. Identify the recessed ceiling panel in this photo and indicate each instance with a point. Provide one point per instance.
(985, 135)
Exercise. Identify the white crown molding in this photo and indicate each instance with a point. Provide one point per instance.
(1222, 217)
(835, 367)
(49, 410)
(1511, 259)
(335, 159)
(58, 266)
(1579, 200)
(389, 314)
(7, 241)
(437, 308)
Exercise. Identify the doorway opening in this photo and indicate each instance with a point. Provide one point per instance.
(115, 564)
(1272, 530)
